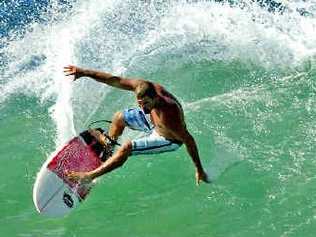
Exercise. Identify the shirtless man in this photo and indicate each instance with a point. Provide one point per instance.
(166, 127)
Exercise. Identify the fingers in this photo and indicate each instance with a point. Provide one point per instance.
(72, 175)
(202, 177)
(69, 67)
(197, 179)
(69, 70)
(75, 71)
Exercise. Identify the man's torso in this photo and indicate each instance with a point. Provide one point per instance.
(168, 117)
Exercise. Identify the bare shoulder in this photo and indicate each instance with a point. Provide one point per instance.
(167, 95)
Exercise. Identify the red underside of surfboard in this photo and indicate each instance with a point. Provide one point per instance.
(75, 156)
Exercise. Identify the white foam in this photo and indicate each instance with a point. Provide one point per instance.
(214, 31)
(148, 35)
(54, 46)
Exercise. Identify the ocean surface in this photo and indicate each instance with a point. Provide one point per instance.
(245, 73)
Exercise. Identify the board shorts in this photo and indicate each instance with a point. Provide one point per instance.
(152, 143)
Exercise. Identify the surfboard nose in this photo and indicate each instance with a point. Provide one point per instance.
(54, 194)
(51, 196)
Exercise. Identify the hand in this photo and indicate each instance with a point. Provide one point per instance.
(81, 177)
(71, 70)
(200, 175)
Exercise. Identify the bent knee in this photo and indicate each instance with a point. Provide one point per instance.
(118, 117)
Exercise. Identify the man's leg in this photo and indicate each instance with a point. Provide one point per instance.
(116, 129)
(117, 159)
(117, 126)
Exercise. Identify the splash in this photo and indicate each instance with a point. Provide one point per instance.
(131, 37)
(36, 62)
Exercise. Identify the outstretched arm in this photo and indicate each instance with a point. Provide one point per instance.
(104, 77)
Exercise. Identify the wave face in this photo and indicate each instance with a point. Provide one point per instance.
(245, 74)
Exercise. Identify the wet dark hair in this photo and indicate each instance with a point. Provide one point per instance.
(145, 88)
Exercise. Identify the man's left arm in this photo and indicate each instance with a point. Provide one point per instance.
(183, 135)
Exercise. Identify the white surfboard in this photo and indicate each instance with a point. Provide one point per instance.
(54, 195)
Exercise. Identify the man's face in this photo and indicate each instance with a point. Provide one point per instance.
(146, 103)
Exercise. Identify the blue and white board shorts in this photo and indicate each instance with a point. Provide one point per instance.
(152, 143)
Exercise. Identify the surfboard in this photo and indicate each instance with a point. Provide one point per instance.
(54, 195)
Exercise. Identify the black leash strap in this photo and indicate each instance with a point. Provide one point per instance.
(99, 121)
(105, 134)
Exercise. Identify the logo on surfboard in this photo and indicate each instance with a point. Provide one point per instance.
(68, 200)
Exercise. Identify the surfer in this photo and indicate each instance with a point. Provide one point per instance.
(160, 115)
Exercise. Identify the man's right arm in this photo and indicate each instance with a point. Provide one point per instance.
(104, 77)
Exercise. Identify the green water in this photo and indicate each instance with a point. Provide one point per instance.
(256, 139)
(246, 79)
